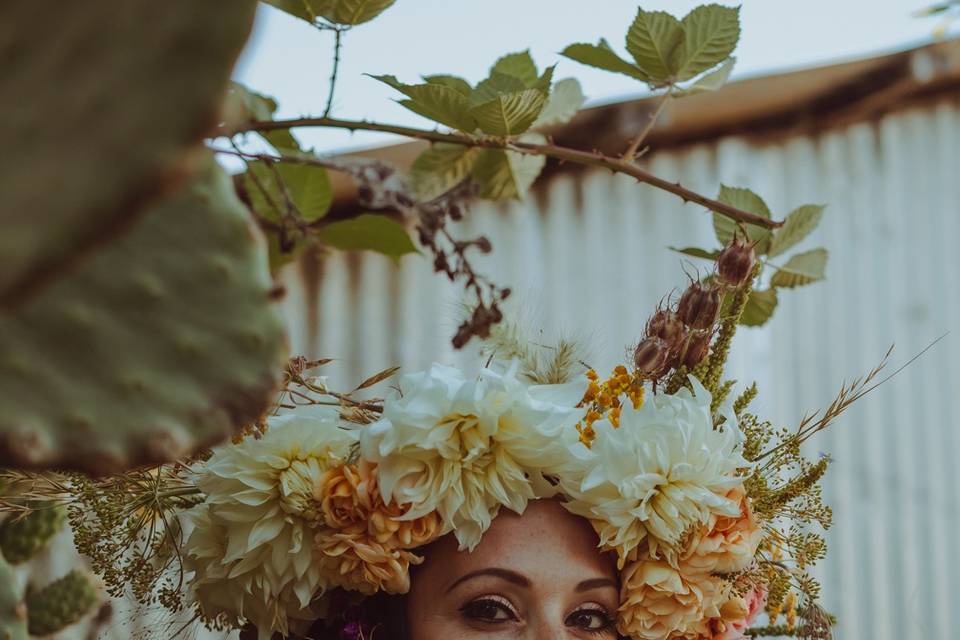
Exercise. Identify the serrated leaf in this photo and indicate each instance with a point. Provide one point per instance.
(696, 252)
(760, 306)
(711, 81)
(508, 174)
(370, 232)
(350, 12)
(519, 65)
(564, 102)
(496, 84)
(456, 83)
(653, 40)
(435, 101)
(711, 33)
(377, 378)
(442, 167)
(800, 269)
(748, 201)
(307, 186)
(602, 56)
(797, 226)
(509, 114)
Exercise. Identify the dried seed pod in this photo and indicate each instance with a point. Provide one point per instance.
(699, 306)
(665, 324)
(652, 357)
(735, 263)
(697, 350)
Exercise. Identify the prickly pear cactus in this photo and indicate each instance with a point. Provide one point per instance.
(23, 537)
(13, 611)
(159, 343)
(99, 104)
(60, 604)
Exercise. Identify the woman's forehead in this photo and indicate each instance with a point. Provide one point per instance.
(545, 543)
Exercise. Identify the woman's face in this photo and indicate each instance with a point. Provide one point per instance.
(539, 575)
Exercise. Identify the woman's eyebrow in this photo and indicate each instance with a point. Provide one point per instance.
(595, 583)
(503, 574)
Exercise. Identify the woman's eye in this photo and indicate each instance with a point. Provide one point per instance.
(489, 610)
(590, 620)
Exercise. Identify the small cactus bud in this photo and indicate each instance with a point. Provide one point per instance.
(60, 604)
(735, 263)
(697, 350)
(699, 306)
(652, 357)
(21, 538)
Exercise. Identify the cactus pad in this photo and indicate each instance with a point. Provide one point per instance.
(160, 343)
(21, 538)
(99, 104)
(60, 604)
(13, 611)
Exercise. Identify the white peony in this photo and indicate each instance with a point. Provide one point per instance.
(464, 447)
(664, 472)
(252, 548)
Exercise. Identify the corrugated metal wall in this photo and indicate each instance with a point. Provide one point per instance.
(587, 255)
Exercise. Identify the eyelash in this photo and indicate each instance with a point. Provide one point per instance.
(472, 611)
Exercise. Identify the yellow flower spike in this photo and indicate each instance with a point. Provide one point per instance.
(620, 370)
(791, 611)
(592, 375)
(615, 416)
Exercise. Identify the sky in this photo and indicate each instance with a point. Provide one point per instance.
(291, 61)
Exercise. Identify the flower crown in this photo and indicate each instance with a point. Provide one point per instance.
(705, 505)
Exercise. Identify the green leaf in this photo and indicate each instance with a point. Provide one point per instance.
(711, 81)
(509, 114)
(508, 174)
(370, 232)
(759, 308)
(564, 102)
(243, 104)
(696, 252)
(496, 84)
(442, 167)
(801, 269)
(456, 83)
(797, 226)
(435, 101)
(653, 40)
(710, 35)
(308, 187)
(519, 65)
(748, 201)
(543, 82)
(602, 56)
(345, 12)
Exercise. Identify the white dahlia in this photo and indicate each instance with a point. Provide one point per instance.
(464, 447)
(251, 549)
(658, 477)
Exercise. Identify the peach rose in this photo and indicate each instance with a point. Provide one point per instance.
(358, 564)
(350, 501)
(725, 544)
(736, 615)
(660, 602)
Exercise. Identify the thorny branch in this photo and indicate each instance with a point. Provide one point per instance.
(631, 153)
(589, 158)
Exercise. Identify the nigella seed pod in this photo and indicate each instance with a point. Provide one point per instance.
(697, 349)
(652, 357)
(699, 306)
(667, 325)
(735, 263)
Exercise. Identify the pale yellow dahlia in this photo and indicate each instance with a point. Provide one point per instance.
(725, 544)
(659, 477)
(251, 549)
(465, 447)
(660, 602)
